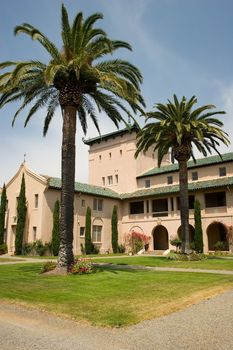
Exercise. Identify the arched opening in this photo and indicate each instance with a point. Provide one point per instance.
(191, 233)
(160, 237)
(217, 236)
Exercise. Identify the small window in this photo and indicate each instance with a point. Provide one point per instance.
(222, 171)
(116, 178)
(36, 200)
(136, 207)
(82, 231)
(160, 207)
(103, 181)
(194, 175)
(147, 183)
(97, 204)
(83, 203)
(96, 233)
(99, 157)
(170, 180)
(110, 181)
(34, 231)
(121, 152)
(110, 155)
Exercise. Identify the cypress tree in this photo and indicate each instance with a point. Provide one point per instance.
(56, 228)
(198, 236)
(2, 214)
(114, 230)
(88, 242)
(21, 218)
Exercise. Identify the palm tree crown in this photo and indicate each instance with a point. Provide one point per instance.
(177, 127)
(75, 75)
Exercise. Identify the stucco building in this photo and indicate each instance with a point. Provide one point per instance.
(147, 197)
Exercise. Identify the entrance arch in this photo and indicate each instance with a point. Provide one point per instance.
(160, 238)
(191, 233)
(217, 232)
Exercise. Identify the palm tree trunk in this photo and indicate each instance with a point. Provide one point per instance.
(65, 256)
(184, 206)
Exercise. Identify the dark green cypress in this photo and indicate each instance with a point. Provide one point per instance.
(198, 236)
(114, 230)
(2, 214)
(88, 242)
(21, 218)
(56, 228)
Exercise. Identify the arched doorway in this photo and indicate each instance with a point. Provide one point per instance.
(191, 233)
(217, 232)
(160, 237)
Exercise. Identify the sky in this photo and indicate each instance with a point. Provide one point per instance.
(180, 46)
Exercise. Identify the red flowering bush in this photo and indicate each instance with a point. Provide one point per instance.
(81, 266)
(135, 241)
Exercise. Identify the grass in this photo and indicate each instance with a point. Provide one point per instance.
(212, 263)
(108, 298)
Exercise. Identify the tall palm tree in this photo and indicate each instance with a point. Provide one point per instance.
(79, 81)
(176, 126)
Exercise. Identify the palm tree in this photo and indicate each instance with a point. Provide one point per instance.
(176, 126)
(79, 81)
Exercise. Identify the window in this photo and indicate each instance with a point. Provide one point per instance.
(83, 203)
(160, 207)
(97, 204)
(36, 200)
(34, 231)
(169, 180)
(222, 171)
(99, 157)
(194, 175)
(215, 199)
(82, 231)
(121, 152)
(110, 155)
(147, 183)
(191, 202)
(116, 178)
(110, 181)
(136, 207)
(172, 204)
(96, 233)
(103, 181)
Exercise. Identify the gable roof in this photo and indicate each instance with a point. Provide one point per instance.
(227, 157)
(114, 134)
(55, 183)
(169, 189)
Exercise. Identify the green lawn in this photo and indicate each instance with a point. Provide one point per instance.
(212, 263)
(108, 297)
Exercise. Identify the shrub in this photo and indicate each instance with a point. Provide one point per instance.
(198, 236)
(37, 248)
(135, 241)
(176, 243)
(21, 218)
(3, 249)
(3, 206)
(121, 248)
(114, 223)
(48, 266)
(82, 249)
(82, 266)
(186, 257)
(88, 243)
(220, 245)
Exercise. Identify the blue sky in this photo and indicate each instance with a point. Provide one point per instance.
(180, 46)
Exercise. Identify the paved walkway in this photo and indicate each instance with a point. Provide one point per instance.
(204, 326)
